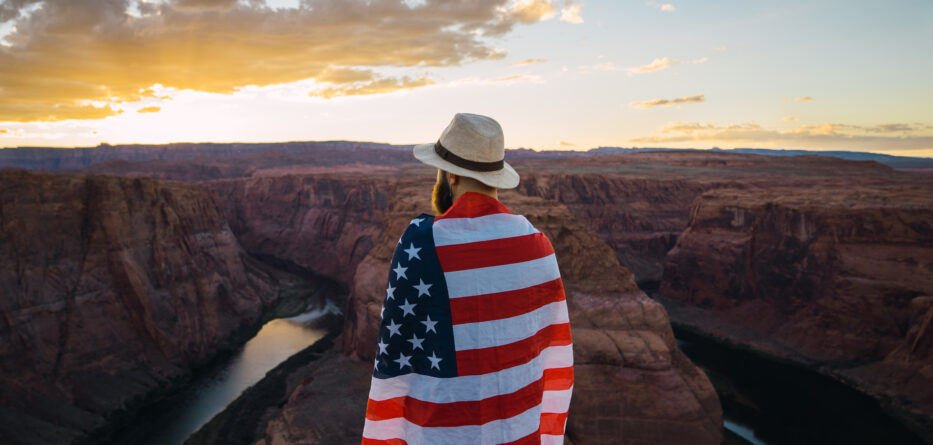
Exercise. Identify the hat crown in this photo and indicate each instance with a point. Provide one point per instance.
(474, 137)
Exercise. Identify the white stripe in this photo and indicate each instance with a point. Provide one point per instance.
(488, 280)
(486, 334)
(556, 401)
(471, 387)
(547, 439)
(496, 431)
(482, 228)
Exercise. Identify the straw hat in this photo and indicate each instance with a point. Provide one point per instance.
(473, 146)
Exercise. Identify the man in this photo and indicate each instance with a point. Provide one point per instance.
(474, 345)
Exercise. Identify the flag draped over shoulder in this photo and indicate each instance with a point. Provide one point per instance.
(474, 345)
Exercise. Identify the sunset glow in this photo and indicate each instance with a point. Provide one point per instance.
(565, 74)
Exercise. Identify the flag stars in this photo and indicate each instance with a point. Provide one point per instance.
(407, 308)
(400, 271)
(382, 347)
(429, 325)
(415, 342)
(435, 361)
(412, 252)
(393, 328)
(403, 361)
(390, 292)
(422, 288)
(415, 222)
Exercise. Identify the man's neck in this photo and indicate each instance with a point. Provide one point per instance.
(493, 193)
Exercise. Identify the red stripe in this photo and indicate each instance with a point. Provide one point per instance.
(367, 441)
(558, 379)
(495, 252)
(472, 205)
(475, 412)
(553, 423)
(497, 358)
(506, 304)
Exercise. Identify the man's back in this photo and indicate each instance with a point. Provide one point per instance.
(475, 344)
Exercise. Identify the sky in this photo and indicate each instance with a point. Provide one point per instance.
(557, 74)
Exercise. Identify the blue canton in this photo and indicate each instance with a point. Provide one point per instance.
(416, 334)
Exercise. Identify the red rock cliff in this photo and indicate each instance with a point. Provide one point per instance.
(838, 278)
(110, 288)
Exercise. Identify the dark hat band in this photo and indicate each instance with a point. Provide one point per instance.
(466, 163)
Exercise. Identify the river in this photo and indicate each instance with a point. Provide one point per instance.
(184, 413)
(771, 403)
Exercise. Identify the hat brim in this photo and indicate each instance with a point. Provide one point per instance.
(506, 178)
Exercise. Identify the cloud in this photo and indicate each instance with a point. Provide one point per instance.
(826, 135)
(567, 144)
(530, 11)
(376, 86)
(799, 99)
(151, 109)
(4, 131)
(660, 64)
(669, 102)
(86, 60)
(663, 7)
(529, 62)
(790, 119)
(571, 14)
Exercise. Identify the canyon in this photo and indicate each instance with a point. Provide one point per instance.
(814, 260)
(113, 290)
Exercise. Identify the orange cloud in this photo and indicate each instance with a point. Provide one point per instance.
(152, 109)
(529, 62)
(800, 99)
(376, 86)
(826, 135)
(660, 64)
(83, 60)
(668, 103)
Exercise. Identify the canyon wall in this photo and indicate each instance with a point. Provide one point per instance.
(111, 288)
(48, 158)
(838, 278)
(639, 218)
(323, 223)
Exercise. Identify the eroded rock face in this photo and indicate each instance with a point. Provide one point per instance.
(110, 288)
(639, 218)
(833, 276)
(320, 223)
(633, 386)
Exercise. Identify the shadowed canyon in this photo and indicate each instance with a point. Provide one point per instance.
(127, 270)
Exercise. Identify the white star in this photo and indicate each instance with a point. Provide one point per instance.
(377, 362)
(400, 272)
(383, 313)
(402, 361)
(422, 288)
(390, 292)
(407, 308)
(382, 347)
(435, 361)
(429, 325)
(415, 342)
(416, 221)
(393, 328)
(412, 252)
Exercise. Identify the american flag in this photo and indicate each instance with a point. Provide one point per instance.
(474, 345)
